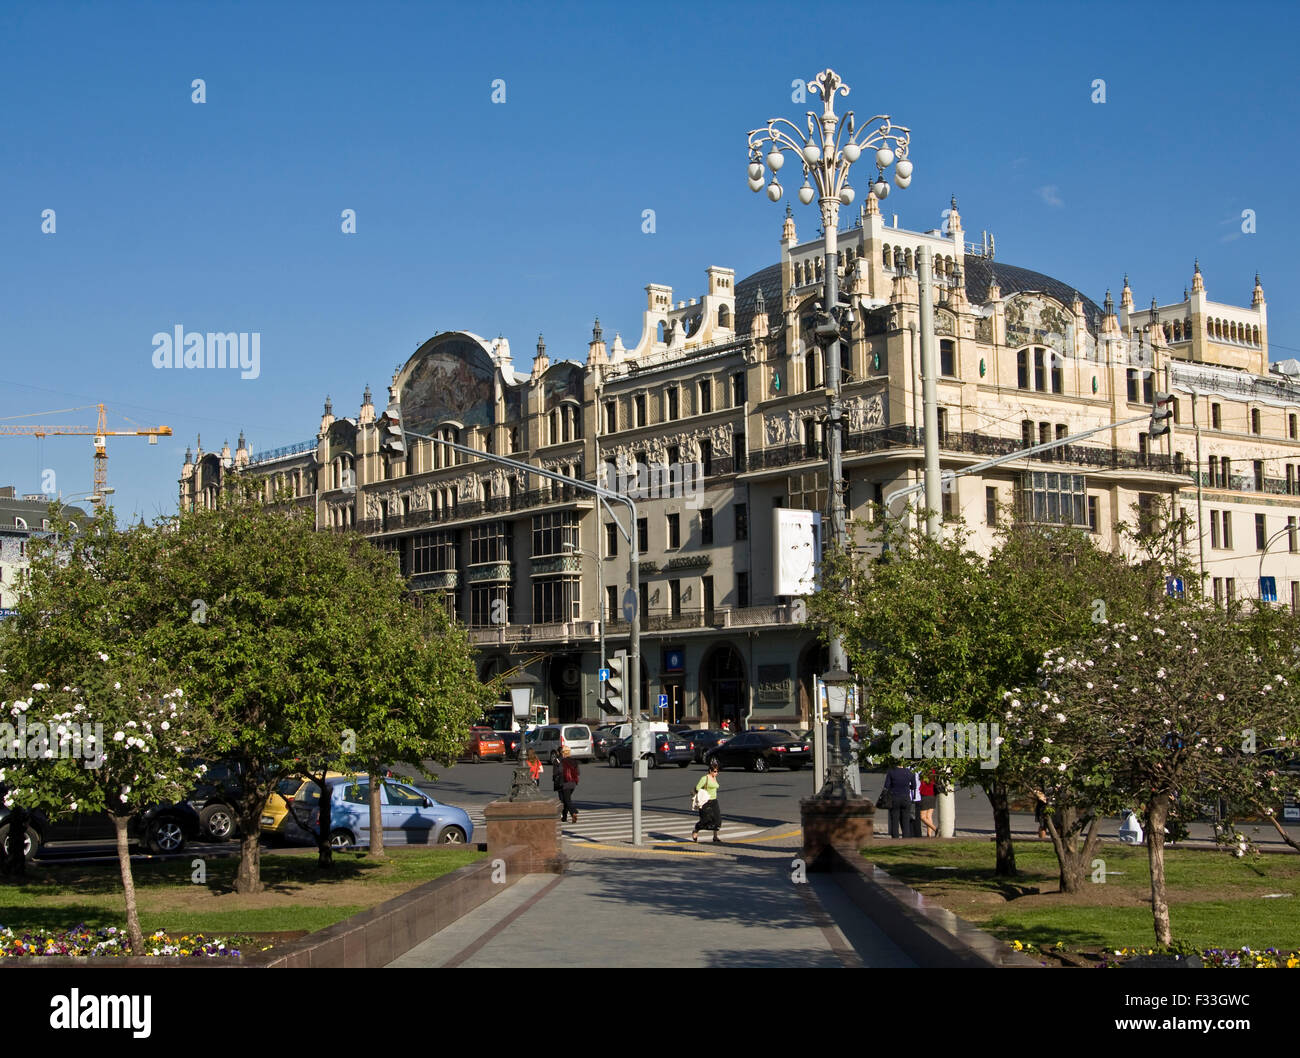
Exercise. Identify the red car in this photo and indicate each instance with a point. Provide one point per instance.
(484, 744)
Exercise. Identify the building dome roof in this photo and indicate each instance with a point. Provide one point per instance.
(977, 272)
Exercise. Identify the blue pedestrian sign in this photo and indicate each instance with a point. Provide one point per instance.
(663, 701)
(602, 675)
(1174, 587)
(1268, 589)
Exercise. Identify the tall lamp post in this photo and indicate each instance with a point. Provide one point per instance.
(825, 152)
(521, 686)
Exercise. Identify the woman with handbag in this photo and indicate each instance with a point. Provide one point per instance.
(706, 803)
(564, 777)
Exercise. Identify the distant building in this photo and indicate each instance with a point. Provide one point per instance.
(21, 519)
(730, 383)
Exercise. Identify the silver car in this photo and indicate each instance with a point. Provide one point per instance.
(547, 741)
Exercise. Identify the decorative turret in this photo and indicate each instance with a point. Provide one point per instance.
(242, 454)
(787, 230)
(226, 459)
(1198, 281)
(954, 218)
(1257, 298)
(1110, 322)
(596, 351)
(540, 361)
(327, 417)
(758, 326)
(1126, 296)
(367, 408)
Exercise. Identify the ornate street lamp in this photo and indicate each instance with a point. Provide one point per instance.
(522, 787)
(825, 153)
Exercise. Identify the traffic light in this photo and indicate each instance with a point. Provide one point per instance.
(614, 703)
(392, 441)
(1162, 412)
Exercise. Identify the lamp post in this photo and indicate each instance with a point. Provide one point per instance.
(522, 787)
(825, 152)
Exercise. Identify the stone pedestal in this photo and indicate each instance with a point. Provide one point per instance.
(530, 825)
(845, 825)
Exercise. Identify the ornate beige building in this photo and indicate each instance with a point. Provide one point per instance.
(730, 383)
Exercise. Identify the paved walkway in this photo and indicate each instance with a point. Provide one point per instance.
(668, 904)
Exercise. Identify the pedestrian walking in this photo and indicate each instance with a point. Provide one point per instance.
(928, 802)
(534, 767)
(914, 820)
(706, 803)
(898, 785)
(564, 777)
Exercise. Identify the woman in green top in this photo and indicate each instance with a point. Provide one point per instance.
(710, 813)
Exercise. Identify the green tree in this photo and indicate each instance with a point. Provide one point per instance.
(90, 724)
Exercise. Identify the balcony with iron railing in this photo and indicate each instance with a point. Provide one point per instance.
(656, 621)
(953, 443)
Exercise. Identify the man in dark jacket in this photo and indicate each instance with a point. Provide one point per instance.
(898, 781)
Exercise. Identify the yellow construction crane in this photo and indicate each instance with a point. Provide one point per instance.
(101, 433)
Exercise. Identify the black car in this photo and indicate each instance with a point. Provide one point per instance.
(668, 749)
(760, 751)
(705, 740)
(511, 741)
(214, 797)
(160, 829)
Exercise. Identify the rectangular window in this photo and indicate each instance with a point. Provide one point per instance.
(1216, 417)
(742, 589)
(877, 500)
(1061, 435)
(1254, 420)
(1040, 371)
(675, 594)
(611, 540)
(1227, 529)
(638, 405)
(611, 603)
(674, 530)
(1054, 499)
(1148, 388)
(1148, 508)
(552, 531)
(990, 505)
(1291, 533)
(741, 458)
(611, 417)
(1215, 537)
(707, 584)
(1026, 434)
(643, 535)
(1045, 435)
(1290, 480)
(943, 426)
(947, 357)
(1259, 475)
(706, 527)
(1218, 591)
(1058, 375)
(1225, 471)
(742, 520)
(1022, 369)
(1293, 426)
(1132, 386)
(674, 455)
(810, 438)
(706, 457)
(738, 391)
(1230, 591)
(1214, 471)
(948, 501)
(1144, 447)
(1261, 532)
(706, 395)
(1092, 513)
(674, 403)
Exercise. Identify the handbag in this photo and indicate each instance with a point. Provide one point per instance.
(699, 799)
(886, 799)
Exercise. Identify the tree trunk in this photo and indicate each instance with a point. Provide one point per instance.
(248, 879)
(1006, 853)
(1157, 813)
(324, 851)
(128, 885)
(1063, 828)
(376, 812)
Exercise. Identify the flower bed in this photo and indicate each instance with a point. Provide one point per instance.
(108, 941)
(1212, 958)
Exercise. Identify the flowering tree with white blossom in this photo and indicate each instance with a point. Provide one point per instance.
(1157, 714)
(134, 756)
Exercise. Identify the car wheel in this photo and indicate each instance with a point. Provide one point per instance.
(31, 846)
(218, 822)
(760, 764)
(613, 761)
(452, 836)
(165, 836)
(340, 840)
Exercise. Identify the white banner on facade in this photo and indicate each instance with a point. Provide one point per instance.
(796, 556)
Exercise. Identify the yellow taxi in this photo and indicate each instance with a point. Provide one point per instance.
(277, 823)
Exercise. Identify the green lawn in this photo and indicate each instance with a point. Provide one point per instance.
(298, 895)
(1216, 900)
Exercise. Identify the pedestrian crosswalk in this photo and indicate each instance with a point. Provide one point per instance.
(601, 825)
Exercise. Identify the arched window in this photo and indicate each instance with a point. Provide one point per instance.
(887, 256)
(724, 317)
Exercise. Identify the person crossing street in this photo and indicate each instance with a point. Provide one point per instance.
(706, 802)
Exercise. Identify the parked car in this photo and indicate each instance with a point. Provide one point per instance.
(214, 796)
(761, 750)
(705, 740)
(547, 741)
(601, 740)
(511, 740)
(668, 749)
(484, 744)
(162, 829)
(278, 822)
(410, 816)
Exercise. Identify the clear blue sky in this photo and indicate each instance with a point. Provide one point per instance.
(525, 216)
